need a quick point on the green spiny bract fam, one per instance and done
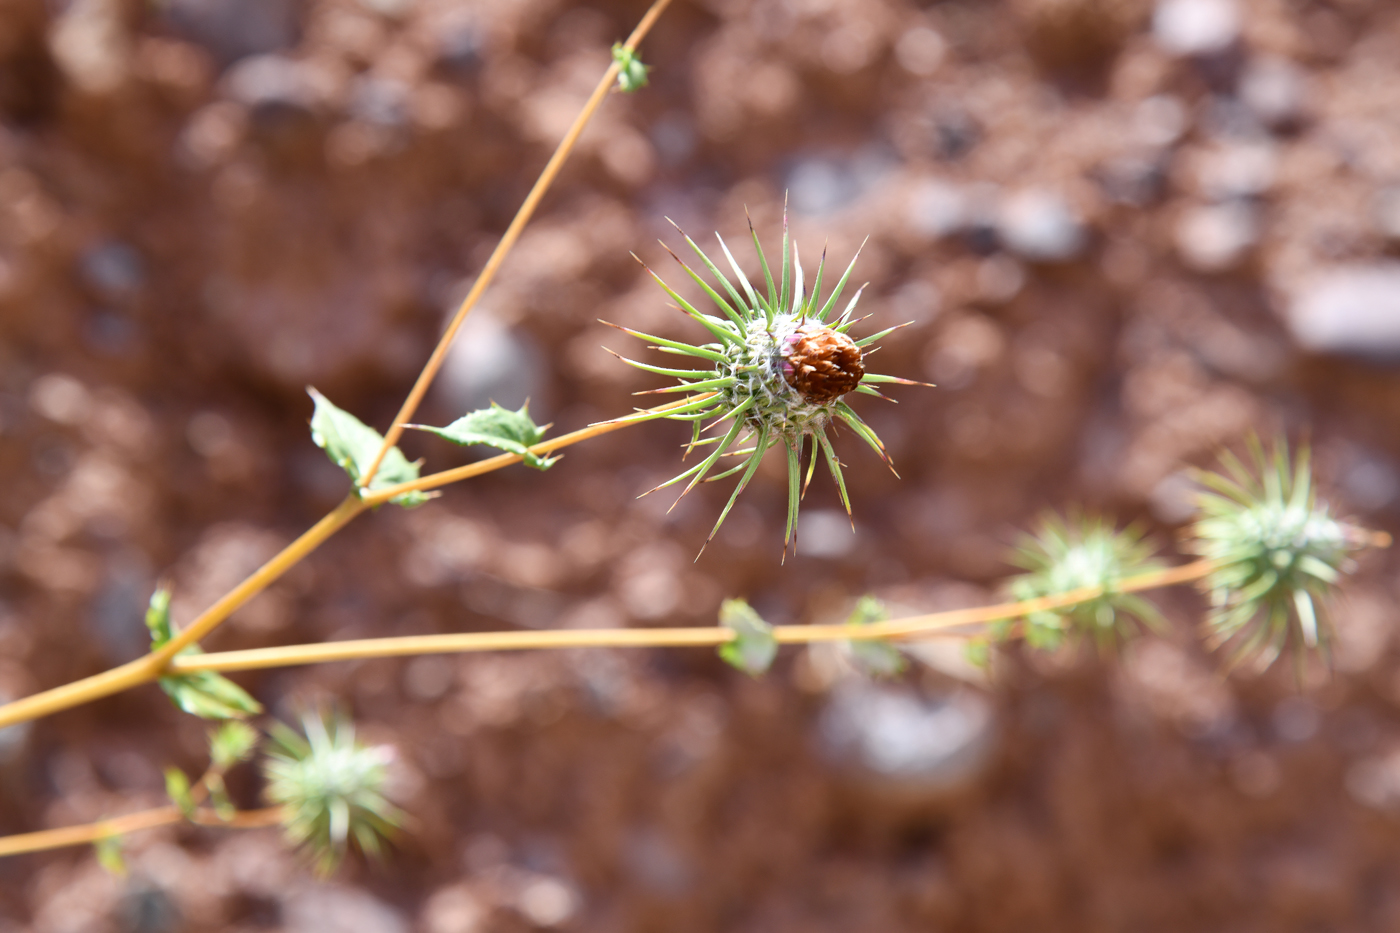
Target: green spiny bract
(330, 788)
(779, 367)
(1277, 551)
(1083, 552)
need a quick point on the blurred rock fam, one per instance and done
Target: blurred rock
(1160, 120)
(113, 269)
(280, 98)
(920, 51)
(1237, 169)
(91, 45)
(379, 101)
(917, 743)
(459, 46)
(955, 132)
(454, 909)
(1135, 180)
(147, 908)
(1275, 89)
(546, 901)
(1217, 237)
(1041, 226)
(824, 533)
(937, 209)
(1352, 310)
(492, 362)
(820, 185)
(1196, 27)
(1385, 211)
(233, 29)
(327, 908)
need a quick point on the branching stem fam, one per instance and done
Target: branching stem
(932, 625)
(498, 256)
(157, 664)
(132, 822)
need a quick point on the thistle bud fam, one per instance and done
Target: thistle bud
(820, 363)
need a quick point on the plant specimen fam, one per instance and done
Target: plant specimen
(779, 368)
(776, 370)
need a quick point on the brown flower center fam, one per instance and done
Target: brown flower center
(820, 363)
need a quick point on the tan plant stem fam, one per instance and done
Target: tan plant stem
(132, 822)
(508, 239)
(152, 666)
(937, 624)
(155, 665)
(434, 480)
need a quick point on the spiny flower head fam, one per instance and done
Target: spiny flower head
(778, 369)
(1078, 553)
(1278, 549)
(331, 789)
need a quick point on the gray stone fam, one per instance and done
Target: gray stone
(492, 362)
(379, 101)
(273, 87)
(1385, 211)
(1237, 169)
(1196, 27)
(1217, 237)
(113, 269)
(1041, 226)
(820, 185)
(233, 29)
(892, 732)
(326, 908)
(1350, 310)
(1275, 89)
(938, 209)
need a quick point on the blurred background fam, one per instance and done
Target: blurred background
(1126, 234)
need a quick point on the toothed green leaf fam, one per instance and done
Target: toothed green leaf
(207, 694)
(218, 797)
(753, 647)
(108, 850)
(177, 788)
(873, 657)
(501, 428)
(352, 445)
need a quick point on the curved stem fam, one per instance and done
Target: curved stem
(936, 624)
(434, 480)
(508, 239)
(152, 666)
(132, 822)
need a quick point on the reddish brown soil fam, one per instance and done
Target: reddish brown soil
(185, 243)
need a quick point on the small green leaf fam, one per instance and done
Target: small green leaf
(871, 656)
(109, 855)
(352, 445)
(206, 694)
(231, 743)
(753, 648)
(177, 787)
(218, 796)
(978, 653)
(158, 617)
(631, 74)
(501, 428)
(209, 694)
